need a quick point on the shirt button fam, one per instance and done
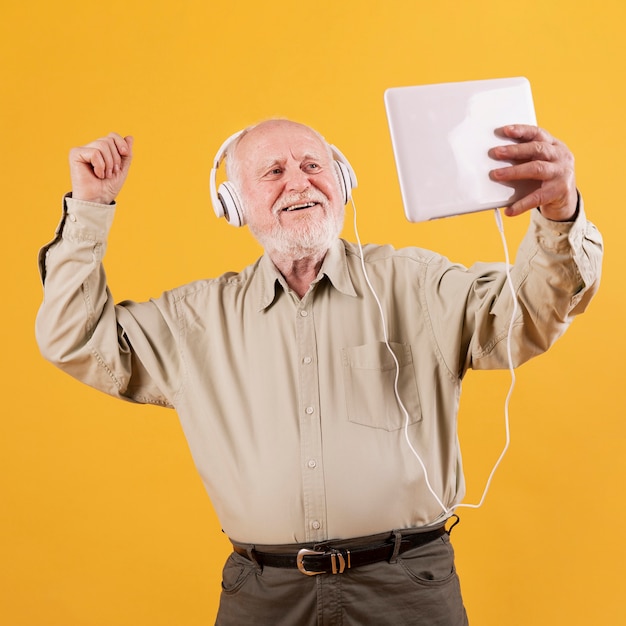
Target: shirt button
(307, 360)
(303, 313)
(309, 410)
(312, 464)
(316, 525)
(72, 217)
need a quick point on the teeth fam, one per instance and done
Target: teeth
(295, 207)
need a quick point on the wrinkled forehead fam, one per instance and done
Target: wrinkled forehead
(280, 139)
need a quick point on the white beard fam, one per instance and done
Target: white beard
(311, 236)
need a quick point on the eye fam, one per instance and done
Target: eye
(312, 166)
(274, 172)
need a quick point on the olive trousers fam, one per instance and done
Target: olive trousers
(420, 587)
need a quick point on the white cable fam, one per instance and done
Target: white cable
(509, 355)
(509, 280)
(397, 376)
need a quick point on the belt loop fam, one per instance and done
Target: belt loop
(252, 557)
(396, 546)
(457, 521)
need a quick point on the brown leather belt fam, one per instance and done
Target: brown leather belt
(324, 559)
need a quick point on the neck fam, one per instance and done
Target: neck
(299, 273)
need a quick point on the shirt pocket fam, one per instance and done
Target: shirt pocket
(369, 375)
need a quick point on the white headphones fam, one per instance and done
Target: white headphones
(226, 201)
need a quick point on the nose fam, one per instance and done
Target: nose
(296, 180)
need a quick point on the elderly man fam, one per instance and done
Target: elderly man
(283, 374)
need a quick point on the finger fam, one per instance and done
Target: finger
(534, 150)
(123, 145)
(518, 208)
(103, 156)
(531, 201)
(128, 155)
(530, 170)
(130, 140)
(90, 156)
(525, 132)
(552, 197)
(113, 150)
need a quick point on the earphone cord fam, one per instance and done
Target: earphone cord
(507, 427)
(448, 510)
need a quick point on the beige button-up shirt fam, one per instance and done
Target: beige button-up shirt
(288, 404)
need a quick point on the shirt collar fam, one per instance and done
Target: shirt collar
(334, 267)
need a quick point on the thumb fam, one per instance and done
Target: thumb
(127, 155)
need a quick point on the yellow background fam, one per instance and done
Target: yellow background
(103, 520)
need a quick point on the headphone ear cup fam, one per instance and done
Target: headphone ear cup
(229, 199)
(345, 181)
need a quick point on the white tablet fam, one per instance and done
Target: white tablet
(441, 135)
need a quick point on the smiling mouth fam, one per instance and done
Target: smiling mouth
(299, 207)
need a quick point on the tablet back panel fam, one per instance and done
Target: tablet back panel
(441, 135)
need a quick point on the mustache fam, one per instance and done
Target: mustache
(290, 199)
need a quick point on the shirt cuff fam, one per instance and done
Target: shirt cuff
(86, 220)
(557, 235)
(81, 221)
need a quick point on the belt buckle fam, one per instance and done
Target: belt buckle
(337, 561)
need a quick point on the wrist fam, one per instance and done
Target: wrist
(91, 199)
(568, 213)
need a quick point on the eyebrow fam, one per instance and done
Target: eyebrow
(272, 162)
(269, 164)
